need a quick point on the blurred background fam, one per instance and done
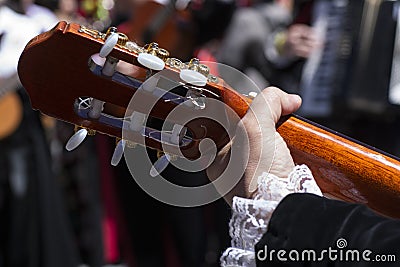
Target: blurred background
(60, 208)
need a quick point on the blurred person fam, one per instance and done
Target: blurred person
(308, 59)
(304, 59)
(78, 172)
(248, 34)
(34, 227)
(42, 16)
(290, 48)
(68, 10)
(163, 235)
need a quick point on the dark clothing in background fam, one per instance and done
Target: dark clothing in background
(163, 231)
(34, 229)
(78, 171)
(309, 222)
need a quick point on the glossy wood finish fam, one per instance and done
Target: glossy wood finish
(345, 169)
(53, 68)
(55, 74)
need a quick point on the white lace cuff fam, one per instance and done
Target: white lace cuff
(250, 217)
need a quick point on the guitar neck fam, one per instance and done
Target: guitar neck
(345, 169)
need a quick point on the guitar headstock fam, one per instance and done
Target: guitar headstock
(103, 82)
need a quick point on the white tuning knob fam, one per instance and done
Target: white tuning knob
(160, 165)
(76, 139)
(193, 77)
(109, 44)
(118, 152)
(151, 61)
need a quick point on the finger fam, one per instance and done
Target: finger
(277, 102)
(306, 47)
(304, 51)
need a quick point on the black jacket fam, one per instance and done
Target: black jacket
(340, 234)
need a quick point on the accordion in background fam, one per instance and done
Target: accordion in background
(375, 78)
(358, 69)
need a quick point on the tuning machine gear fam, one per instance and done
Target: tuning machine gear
(111, 39)
(196, 73)
(153, 57)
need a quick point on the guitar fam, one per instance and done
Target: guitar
(73, 74)
(10, 106)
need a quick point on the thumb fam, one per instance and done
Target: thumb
(273, 103)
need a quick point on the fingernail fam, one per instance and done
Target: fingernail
(295, 98)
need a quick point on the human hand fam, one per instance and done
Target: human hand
(301, 41)
(257, 146)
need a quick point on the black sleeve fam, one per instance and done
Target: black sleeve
(314, 231)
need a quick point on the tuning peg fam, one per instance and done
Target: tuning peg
(151, 62)
(193, 77)
(160, 165)
(111, 63)
(153, 58)
(109, 44)
(118, 152)
(112, 38)
(76, 139)
(196, 73)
